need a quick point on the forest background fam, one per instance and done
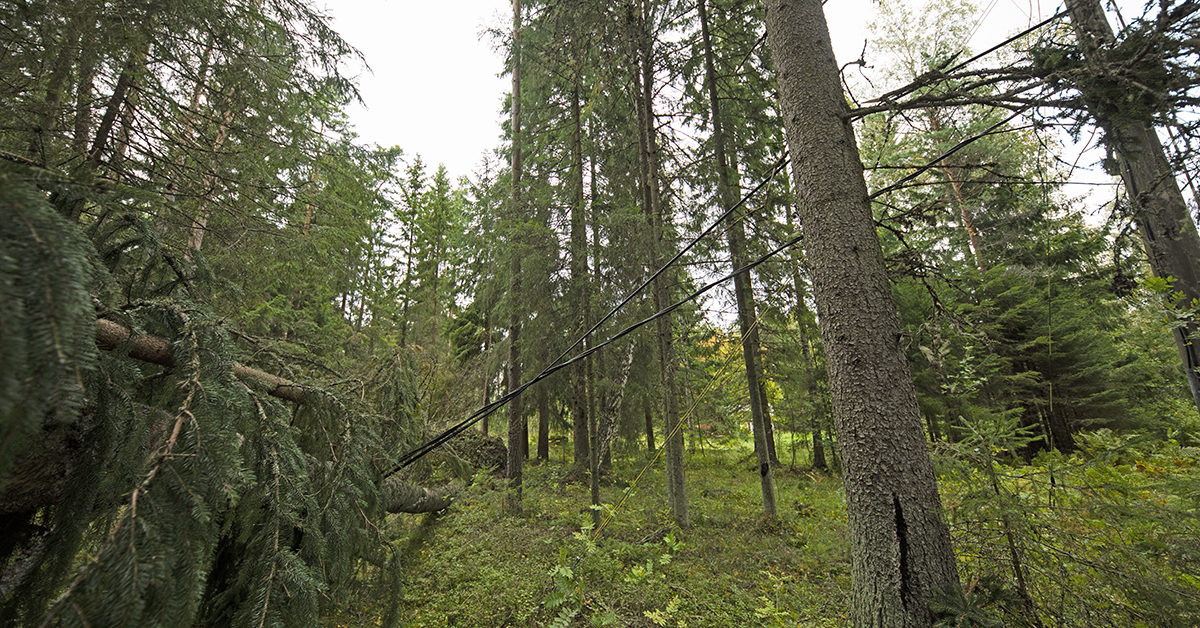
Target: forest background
(231, 328)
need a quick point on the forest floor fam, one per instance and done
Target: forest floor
(1106, 537)
(474, 565)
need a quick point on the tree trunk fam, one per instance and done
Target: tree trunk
(900, 549)
(83, 94)
(113, 337)
(1167, 231)
(768, 424)
(610, 419)
(816, 400)
(516, 431)
(579, 278)
(401, 496)
(742, 288)
(818, 445)
(974, 245)
(650, 448)
(488, 373)
(657, 218)
(543, 440)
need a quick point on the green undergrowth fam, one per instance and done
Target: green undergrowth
(475, 565)
(1108, 536)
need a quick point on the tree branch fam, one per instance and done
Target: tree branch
(113, 337)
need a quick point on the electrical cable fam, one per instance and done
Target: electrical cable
(957, 147)
(712, 383)
(487, 410)
(924, 79)
(557, 365)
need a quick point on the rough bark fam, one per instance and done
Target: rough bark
(113, 337)
(400, 496)
(1160, 211)
(610, 419)
(901, 555)
(742, 287)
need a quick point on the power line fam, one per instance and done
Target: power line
(558, 364)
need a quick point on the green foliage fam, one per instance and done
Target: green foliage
(1086, 540)
(46, 320)
(484, 568)
(171, 493)
(970, 609)
(200, 499)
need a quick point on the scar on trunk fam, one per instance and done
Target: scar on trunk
(902, 539)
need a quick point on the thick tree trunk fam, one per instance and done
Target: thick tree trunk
(113, 337)
(610, 418)
(1161, 213)
(401, 496)
(742, 288)
(901, 555)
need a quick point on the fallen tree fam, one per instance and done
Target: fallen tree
(157, 465)
(147, 348)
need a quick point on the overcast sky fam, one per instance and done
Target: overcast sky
(435, 88)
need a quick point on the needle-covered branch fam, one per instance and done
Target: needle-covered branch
(147, 348)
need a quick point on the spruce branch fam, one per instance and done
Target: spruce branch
(147, 348)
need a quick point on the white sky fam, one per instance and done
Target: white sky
(435, 88)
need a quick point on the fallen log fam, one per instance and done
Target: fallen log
(400, 496)
(36, 481)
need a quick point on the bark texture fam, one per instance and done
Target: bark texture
(901, 554)
(113, 337)
(610, 419)
(400, 496)
(1160, 211)
(579, 278)
(657, 218)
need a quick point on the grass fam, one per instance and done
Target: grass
(1105, 537)
(476, 566)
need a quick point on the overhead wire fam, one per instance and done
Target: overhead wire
(487, 410)
(712, 383)
(558, 364)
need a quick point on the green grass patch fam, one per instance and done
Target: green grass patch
(476, 566)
